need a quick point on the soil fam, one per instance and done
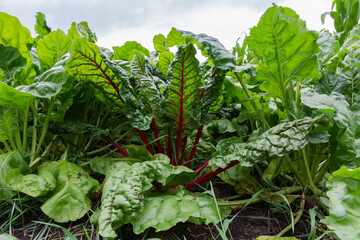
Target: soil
(253, 221)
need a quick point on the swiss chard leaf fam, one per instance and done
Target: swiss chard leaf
(13, 34)
(125, 185)
(167, 209)
(41, 28)
(277, 141)
(8, 123)
(128, 51)
(10, 61)
(343, 193)
(8, 162)
(87, 64)
(52, 48)
(66, 185)
(82, 30)
(288, 51)
(345, 141)
(47, 84)
(183, 86)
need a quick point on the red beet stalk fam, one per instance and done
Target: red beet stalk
(193, 150)
(143, 138)
(117, 146)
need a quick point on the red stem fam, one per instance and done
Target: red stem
(202, 94)
(156, 133)
(210, 175)
(143, 138)
(193, 150)
(169, 144)
(183, 151)
(117, 146)
(202, 167)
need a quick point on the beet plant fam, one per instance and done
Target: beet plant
(284, 103)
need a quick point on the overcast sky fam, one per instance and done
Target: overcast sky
(118, 21)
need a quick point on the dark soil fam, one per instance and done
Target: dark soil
(253, 221)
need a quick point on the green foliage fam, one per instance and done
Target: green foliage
(345, 140)
(287, 49)
(277, 141)
(8, 162)
(64, 185)
(343, 193)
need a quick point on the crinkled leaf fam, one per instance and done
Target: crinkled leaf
(183, 86)
(47, 84)
(8, 123)
(9, 161)
(82, 30)
(69, 200)
(10, 61)
(212, 97)
(349, 69)
(134, 92)
(328, 45)
(128, 51)
(13, 34)
(124, 188)
(345, 150)
(277, 141)
(211, 47)
(344, 198)
(52, 48)
(87, 64)
(288, 50)
(167, 209)
(41, 28)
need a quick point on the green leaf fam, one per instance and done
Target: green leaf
(345, 150)
(69, 200)
(183, 93)
(52, 48)
(9, 161)
(128, 51)
(87, 64)
(160, 43)
(328, 45)
(288, 51)
(211, 47)
(47, 84)
(10, 61)
(6, 236)
(344, 218)
(13, 34)
(81, 30)
(136, 91)
(125, 185)
(277, 141)
(349, 69)
(167, 209)
(31, 184)
(10, 97)
(165, 58)
(8, 123)
(41, 28)
(212, 97)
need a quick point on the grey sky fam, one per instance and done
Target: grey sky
(115, 22)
